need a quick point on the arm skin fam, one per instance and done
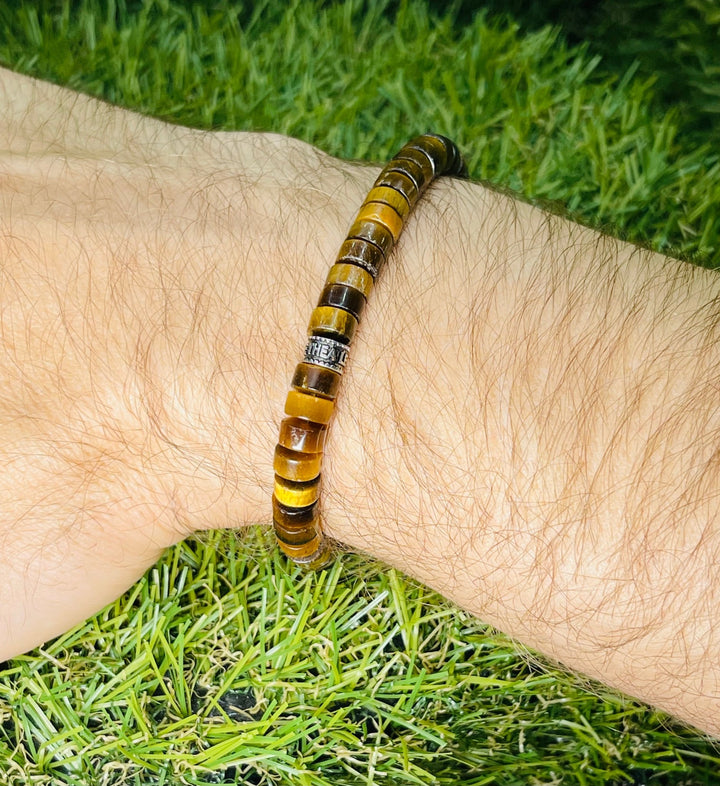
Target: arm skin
(528, 423)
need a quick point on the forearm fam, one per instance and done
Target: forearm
(548, 453)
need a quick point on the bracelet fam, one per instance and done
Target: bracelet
(311, 400)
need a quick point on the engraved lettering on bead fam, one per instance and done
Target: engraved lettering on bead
(328, 352)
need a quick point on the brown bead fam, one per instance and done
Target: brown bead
(436, 148)
(422, 159)
(302, 435)
(312, 555)
(292, 465)
(383, 214)
(412, 171)
(456, 163)
(392, 197)
(375, 232)
(343, 296)
(318, 380)
(392, 178)
(296, 495)
(295, 519)
(351, 275)
(334, 322)
(299, 404)
(364, 253)
(298, 531)
(298, 538)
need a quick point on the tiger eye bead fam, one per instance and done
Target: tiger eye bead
(364, 253)
(413, 171)
(345, 297)
(375, 232)
(391, 197)
(294, 494)
(296, 535)
(435, 148)
(299, 404)
(317, 380)
(298, 538)
(298, 530)
(421, 159)
(302, 435)
(292, 465)
(310, 554)
(295, 519)
(334, 322)
(351, 275)
(456, 163)
(383, 214)
(400, 182)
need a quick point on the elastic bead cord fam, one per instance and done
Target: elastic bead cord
(315, 383)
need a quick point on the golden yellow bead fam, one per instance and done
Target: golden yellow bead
(382, 214)
(296, 495)
(392, 197)
(333, 321)
(310, 554)
(351, 275)
(299, 404)
(293, 465)
(301, 435)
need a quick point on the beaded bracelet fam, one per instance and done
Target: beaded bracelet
(311, 400)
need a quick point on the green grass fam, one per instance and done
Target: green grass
(222, 665)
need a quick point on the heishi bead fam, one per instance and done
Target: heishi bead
(343, 296)
(310, 553)
(318, 380)
(292, 465)
(301, 545)
(412, 170)
(299, 404)
(436, 148)
(392, 197)
(295, 519)
(375, 232)
(297, 537)
(298, 530)
(383, 214)
(392, 178)
(334, 322)
(352, 276)
(419, 157)
(455, 164)
(364, 253)
(294, 494)
(302, 435)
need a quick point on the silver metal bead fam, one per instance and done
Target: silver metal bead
(327, 352)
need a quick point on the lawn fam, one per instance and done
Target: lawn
(226, 665)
